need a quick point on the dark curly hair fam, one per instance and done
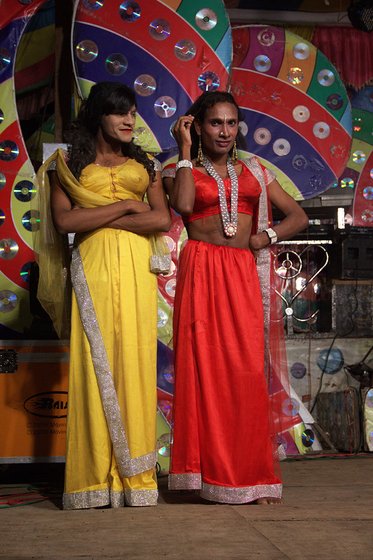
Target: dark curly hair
(204, 102)
(105, 98)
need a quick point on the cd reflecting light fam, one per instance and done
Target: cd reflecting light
(145, 85)
(301, 51)
(2, 217)
(281, 147)
(8, 301)
(325, 77)
(208, 81)
(301, 113)
(25, 272)
(1, 116)
(262, 63)
(159, 29)
(206, 19)
(86, 50)
(308, 437)
(347, 183)
(368, 193)
(162, 318)
(262, 136)
(8, 150)
(24, 191)
(116, 64)
(93, 4)
(2, 181)
(165, 107)
(321, 130)
(129, 11)
(5, 59)
(31, 220)
(359, 157)
(163, 445)
(8, 249)
(185, 50)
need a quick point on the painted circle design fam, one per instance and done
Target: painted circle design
(367, 216)
(266, 37)
(334, 101)
(290, 407)
(295, 75)
(299, 162)
(330, 361)
(298, 370)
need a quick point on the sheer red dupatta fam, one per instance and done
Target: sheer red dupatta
(282, 418)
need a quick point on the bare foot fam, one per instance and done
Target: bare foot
(268, 501)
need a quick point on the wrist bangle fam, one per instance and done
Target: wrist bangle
(184, 163)
(272, 235)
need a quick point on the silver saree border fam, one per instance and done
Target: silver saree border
(127, 466)
(185, 481)
(229, 495)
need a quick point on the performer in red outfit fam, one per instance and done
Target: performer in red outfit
(222, 433)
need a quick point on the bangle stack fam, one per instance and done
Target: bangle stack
(184, 163)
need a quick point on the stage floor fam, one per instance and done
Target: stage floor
(327, 514)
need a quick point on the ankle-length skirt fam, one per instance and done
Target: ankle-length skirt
(111, 428)
(222, 443)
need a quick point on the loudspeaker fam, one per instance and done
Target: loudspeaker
(360, 14)
(356, 255)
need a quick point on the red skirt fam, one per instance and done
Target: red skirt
(221, 428)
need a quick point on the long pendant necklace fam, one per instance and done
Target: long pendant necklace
(230, 220)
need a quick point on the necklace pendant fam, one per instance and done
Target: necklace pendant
(230, 230)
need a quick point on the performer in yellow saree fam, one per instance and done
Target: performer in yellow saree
(110, 454)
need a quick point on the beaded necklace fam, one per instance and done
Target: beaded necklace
(230, 220)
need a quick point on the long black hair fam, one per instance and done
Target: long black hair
(204, 102)
(105, 98)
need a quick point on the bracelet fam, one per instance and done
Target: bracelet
(184, 163)
(272, 235)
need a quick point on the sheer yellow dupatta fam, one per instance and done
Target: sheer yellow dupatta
(52, 255)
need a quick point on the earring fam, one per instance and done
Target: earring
(199, 160)
(234, 157)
